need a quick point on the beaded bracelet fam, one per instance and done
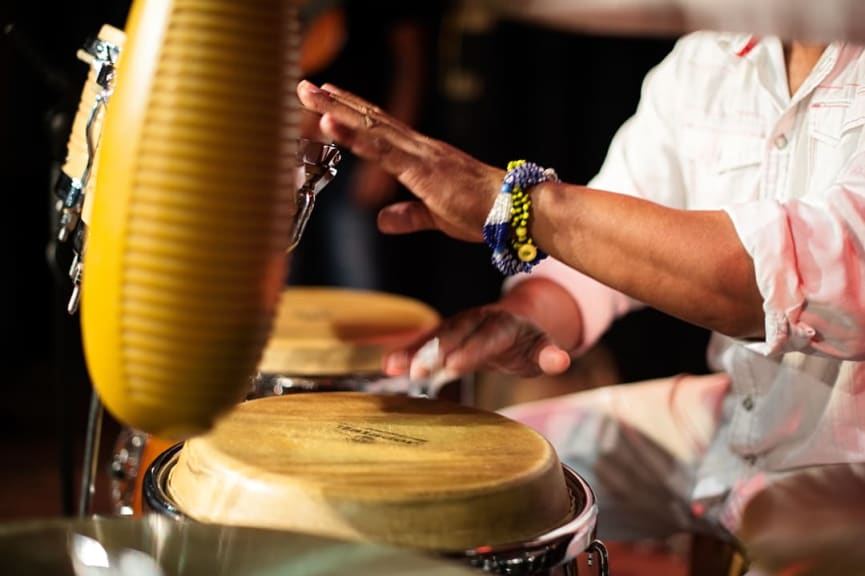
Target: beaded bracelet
(506, 230)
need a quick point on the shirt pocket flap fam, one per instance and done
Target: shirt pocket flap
(722, 145)
(834, 114)
(739, 151)
(855, 116)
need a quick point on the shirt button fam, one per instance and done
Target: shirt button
(781, 142)
(748, 403)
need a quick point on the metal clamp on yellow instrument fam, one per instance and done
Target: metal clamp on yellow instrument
(74, 184)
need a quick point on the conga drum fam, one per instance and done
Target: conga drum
(323, 340)
(328, 339)
(424, 474)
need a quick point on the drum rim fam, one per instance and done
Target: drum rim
(155, 478)
(555, 547)
(312, 380)
(558, 546)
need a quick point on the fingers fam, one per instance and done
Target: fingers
(377, 143)
(484, 338)
(309, 125)
(374, 113)
(350, 110)
(362, 128)
(405, 218)
(450, 334)
(511, 345)
(398, 362)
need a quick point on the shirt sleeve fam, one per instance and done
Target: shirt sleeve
(643, 158)
(809, 259)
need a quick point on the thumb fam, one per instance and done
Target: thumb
(552, 360)
(405, 217)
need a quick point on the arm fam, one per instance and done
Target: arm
(806, 256)
(672, 259)
(710, 267)
(645, 241)
(689, 264)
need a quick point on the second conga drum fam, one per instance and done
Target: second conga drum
(412, 472)
(334, 338)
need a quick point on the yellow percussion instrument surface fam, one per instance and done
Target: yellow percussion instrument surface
(334, 331)
(195, 201)
(399, 470)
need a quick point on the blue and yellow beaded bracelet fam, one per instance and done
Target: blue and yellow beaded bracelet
(506, 230)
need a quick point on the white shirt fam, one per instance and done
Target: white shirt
(716, 128)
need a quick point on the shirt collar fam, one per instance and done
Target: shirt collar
(739, 45)
(742, 45)
(750, 46)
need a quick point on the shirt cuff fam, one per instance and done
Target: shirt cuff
(764, 229)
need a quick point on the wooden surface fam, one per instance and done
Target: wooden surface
(408, 471)
(333, 331)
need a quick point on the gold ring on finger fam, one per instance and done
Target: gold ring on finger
(368, 120)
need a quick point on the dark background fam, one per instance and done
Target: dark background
(540, 98)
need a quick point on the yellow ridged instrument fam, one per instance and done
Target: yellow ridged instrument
(193, 209)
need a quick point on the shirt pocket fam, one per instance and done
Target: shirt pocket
(722, 159)
(740, 151)
(836, 118)
(836, 115)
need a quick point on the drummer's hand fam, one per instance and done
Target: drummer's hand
(456, 191)
(487, 338)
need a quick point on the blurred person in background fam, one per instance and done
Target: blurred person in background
(381, 51)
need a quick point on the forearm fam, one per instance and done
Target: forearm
(689, 264)
(550, 307)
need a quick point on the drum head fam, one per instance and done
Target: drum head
(334, 331)
(160, 546)
(408, 471)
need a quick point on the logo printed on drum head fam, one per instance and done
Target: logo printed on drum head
(367, 435)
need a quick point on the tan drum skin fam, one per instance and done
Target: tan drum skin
(414, 472)
(322, 331)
